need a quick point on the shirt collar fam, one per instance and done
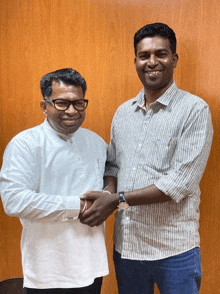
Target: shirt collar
(167, 97)
(164, 99)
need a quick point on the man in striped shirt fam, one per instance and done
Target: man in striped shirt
(160, 143)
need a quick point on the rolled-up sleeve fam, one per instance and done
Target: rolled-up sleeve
(190, 158)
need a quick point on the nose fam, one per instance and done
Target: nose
(71, 110)
(152, 61)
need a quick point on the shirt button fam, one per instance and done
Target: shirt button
(133, 168)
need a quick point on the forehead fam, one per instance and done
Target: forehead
(60, 88)
(153, 44)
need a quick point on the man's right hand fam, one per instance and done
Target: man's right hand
(102, 206)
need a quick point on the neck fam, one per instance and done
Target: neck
(61, 134)
(151, 95)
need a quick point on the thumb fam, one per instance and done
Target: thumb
(86, 196)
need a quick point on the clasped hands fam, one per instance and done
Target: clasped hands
(99, 205)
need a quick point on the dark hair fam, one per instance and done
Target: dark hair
(156, 29)
(66, 75)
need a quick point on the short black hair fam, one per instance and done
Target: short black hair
(66, 75)
(156, 29)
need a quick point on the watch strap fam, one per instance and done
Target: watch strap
(123, 205)
(121, 196)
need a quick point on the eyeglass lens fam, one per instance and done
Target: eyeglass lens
(61, 104)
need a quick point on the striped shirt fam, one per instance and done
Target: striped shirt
(167, 145)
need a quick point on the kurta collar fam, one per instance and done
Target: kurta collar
(60, 135)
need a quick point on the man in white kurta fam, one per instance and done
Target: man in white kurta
(45, 170)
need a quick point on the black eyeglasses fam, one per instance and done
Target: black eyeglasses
(63, 104)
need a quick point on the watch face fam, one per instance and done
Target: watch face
(123, 205)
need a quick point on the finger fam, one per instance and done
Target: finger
(89, 191)
(95, 224)
(89, 203)
(92, 222)
(84, 207)
(88, 196)
(84, 197)
(86, 214)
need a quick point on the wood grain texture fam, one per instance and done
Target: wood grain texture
(95, 37)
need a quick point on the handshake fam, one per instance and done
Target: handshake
(96, 206)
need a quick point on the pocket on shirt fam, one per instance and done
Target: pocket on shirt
(161, 153)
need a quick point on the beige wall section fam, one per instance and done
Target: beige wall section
(96, 38)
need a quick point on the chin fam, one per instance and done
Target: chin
(71, 131)
(156, 86)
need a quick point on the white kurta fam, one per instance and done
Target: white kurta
(42, 176)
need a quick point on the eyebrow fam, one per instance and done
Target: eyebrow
(159, 50)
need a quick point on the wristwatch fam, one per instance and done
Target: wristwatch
(123, 205)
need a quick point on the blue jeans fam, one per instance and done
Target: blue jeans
(180, 274)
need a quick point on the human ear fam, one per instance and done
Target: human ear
(175, 59)
(43, 107)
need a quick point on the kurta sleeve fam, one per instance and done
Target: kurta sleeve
(18, 188)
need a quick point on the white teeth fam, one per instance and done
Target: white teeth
(153, 72)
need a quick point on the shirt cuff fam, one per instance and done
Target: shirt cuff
(173, 187)
(112, 172)
(72, 207)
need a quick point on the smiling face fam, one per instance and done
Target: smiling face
(68, 121)
(155, 63)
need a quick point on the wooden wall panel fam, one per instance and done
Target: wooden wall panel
(96, 38)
